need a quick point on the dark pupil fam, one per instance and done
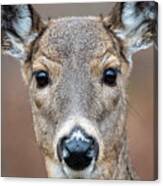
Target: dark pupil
(42, 78)
(109, 76)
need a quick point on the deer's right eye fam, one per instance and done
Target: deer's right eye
(42, 78)
(110, 76)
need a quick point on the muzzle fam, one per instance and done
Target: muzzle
(78, 149)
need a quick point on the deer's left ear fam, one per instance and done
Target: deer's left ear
(135, 23)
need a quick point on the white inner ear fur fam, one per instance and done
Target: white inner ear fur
(23, 22)
(23, 27)
(129, 17)
(131, 21)
(18, 49)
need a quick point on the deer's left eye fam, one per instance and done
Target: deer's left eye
(42, 78)
(110, 76)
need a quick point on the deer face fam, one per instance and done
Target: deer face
(77, 71)
(78, 91)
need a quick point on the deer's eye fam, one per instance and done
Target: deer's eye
(110, 76)
(42, 78)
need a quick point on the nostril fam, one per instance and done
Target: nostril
(60, 147)
(77, 156)
(94, 148)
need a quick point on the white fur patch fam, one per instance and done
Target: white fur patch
(134, 28)
(23, 23)
(129, 17)
(18, 50)
(78, 136)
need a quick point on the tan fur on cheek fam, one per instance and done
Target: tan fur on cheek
(26, 70)
(95, 68)
(40, 96)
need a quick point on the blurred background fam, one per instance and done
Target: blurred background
(21, 156)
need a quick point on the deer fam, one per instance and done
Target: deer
(77, 70)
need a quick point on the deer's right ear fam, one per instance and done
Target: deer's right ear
(20, 26)
(135, 24)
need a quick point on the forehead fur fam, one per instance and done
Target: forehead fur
(80, 37)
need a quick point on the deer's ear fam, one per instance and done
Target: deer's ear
(20, 26)
(135, 23)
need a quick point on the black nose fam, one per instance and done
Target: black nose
(78, 152)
